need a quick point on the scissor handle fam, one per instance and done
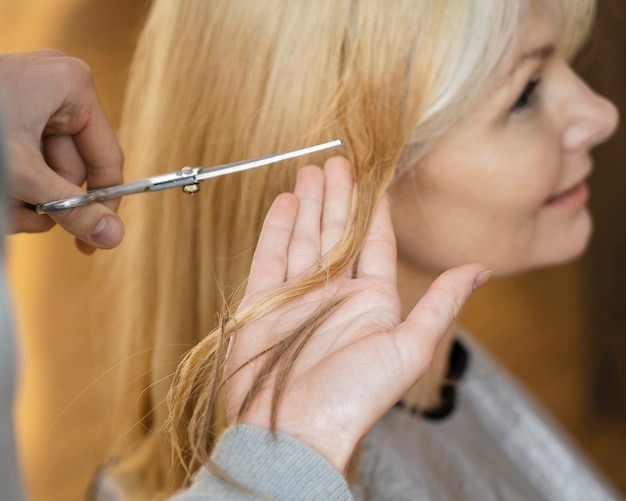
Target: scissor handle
(96, 195)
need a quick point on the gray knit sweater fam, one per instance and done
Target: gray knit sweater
(498, 444)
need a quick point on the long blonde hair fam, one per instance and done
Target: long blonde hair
(218, 81)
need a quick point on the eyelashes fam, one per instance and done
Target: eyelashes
(527, 98)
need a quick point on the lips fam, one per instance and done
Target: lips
(577, 195)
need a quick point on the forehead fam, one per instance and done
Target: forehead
(539, 38)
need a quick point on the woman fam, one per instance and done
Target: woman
(466, 114)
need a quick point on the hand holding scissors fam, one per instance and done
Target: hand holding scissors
(57, 137)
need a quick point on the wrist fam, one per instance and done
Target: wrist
(336, 448)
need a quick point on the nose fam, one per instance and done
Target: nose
(593, 120)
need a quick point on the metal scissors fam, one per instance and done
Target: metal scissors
(188, 178)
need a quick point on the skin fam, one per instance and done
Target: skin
(365, 344)
(488, 191)
(58, 137)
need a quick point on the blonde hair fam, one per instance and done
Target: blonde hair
(214, 82)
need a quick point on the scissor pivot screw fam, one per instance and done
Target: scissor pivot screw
(191, 188)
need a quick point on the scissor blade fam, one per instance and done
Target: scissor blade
(186, 176)
(231, 168)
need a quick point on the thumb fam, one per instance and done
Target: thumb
(419, 335)
(95, 225)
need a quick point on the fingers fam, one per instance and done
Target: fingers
(269, 264)
(337, 201)
(81, 117)
(378, 257)
(304, 251)
(63, 157)
(26, 220)
(95, 142)
(267, 273)
(296, 225)
(35, 182)
(52, 98)
(418, 336)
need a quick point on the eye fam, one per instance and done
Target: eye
(526, 98)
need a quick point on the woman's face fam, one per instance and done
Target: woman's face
(506, 186)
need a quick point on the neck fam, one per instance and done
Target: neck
(413, 282)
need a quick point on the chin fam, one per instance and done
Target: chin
(557, 246)
(566, 258)
(570, 245)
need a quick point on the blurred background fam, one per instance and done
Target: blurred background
(561, 331)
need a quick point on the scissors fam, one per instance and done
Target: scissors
(188, 178)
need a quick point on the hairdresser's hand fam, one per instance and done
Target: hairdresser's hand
(58, 137)
(362, 359)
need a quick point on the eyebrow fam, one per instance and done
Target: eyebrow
(538, 53)
(543, 52)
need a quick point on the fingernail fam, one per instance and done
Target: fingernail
(482, 278)
(108, 232)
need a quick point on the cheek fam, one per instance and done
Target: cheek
(487, 211)
(524, 169)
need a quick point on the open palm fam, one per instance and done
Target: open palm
(361, 356)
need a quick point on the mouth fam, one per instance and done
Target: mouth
(576, 196)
